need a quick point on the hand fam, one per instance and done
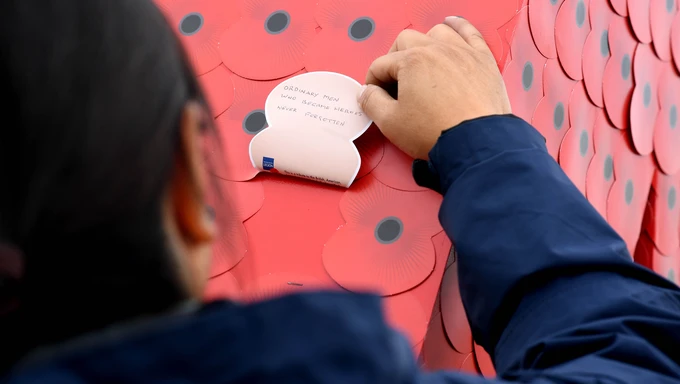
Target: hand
(442, 78)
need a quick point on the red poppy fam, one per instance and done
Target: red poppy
(667, 266)
(644, 105)
(222, 287)
(218, 88)
(233, 203)
(662, 221)
(273, 285)
(577, 149)
(387, 241)
(542, 15)
(470, 365)
(199, 25)
(437, 353)
(620, 7)
(484, 362)
(551, 116)
(394, 170)
(638, 10)
(238, 125)
(406, 314)
(627, 200)
(270, 39)
(617, 87)
(667, 129)
(456, 325)
(662, 13)
(572, 27)
(524, 73)
(353, 34)
(675, 41)
(488, 16)
(600, 175)
(371, 146)
(596, 49)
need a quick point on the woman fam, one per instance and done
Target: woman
(105, 231)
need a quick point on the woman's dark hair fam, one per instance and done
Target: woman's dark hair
(89, 129)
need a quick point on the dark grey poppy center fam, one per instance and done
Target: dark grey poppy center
(630, 192)
(670, 6)
(583, 143)
(672, 196)
(608, 168)
(361, 29)
(389, 230)
(254, 122)
(671, 275)
(673, 117)
(558, 116)
(527, 76)
(625, 67)
(580, 13)
(277, 22)
(191, 23)
(604, 43)
(553, 2)
(647, 95)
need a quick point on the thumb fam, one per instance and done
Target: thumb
(377, 104)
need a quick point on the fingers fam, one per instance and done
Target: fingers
(468, 32)
(445, 34)
(385, 69)
(409, 38)
(378, 105)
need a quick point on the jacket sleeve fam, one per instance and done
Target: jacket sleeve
(549, 288)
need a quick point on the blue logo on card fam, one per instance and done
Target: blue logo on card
(267, 163)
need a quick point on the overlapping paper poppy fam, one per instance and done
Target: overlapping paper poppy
(644, 105)
(577, 149)
(596, 49)
(386, 244)
(628, 197)
(662, 13)
(667, 128)
(667, 266)
(487, 15)
(551, 116)
(405, 313)
(662, 221)
(620, 7)
(270, 39)
(199, 25)
(617, 87)
(222, 287)
(484, 362)
(395, 170)
(600, 175)
(638, 13)
(453, 314)
(542, 16)
(273, 285)
(524, 73)
(371, 147)
(233, 203)
(437, 352)
(675, 41)
(353, 34)
(218, 88)
(572, 27)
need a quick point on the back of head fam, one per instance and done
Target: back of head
(93, 91)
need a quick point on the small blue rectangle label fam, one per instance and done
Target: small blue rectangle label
(267, 163)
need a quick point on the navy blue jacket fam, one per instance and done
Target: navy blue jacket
(549, 288)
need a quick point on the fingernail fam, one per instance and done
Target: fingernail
(451, 18)
(361, 91)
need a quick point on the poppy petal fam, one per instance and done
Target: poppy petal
(353, 34)
(273, 285)
(395, 170)
(596, 51)
(542, 15)
(644, 103)
(405, 313)
(551, 116)
(386, 243)
(667, 266)
(437, 353)
(638, 10)
(667, 131)
(222, 287)
(456, 325)
(484, 362)
(617, 87)
(524, 73)
(371, 146)
(620, 7)
(662, 13)
(270, 39)
(577, 149)
(600, 175)
(572, 27)
(218, 88)
(199, 25)
(675, 41)
(663, 221)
